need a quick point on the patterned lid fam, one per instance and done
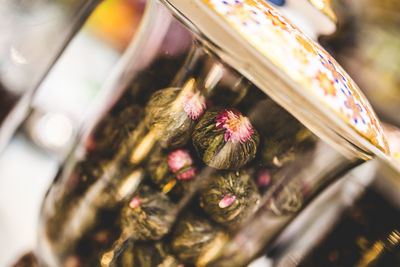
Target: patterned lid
(257, 40)
(325, 7)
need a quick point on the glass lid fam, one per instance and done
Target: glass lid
(291, 68)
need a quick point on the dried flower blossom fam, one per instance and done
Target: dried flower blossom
(237, 127)
(172, 172)
(179, 159)
(225, 139)
(194, 104)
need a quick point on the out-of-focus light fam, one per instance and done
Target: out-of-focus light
(54, 130)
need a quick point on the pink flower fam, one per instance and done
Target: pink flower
(194, 104)
(187, 175)
(135, 202)
(264, 178)
(179, 159)
(238, 127)
(226, 201)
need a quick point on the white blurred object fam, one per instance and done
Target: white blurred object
(32, 35)
(54, 130)
(77, 77)
(63, 99)
(310, 19)
(59, 108)
(25, 175)
(261, 262)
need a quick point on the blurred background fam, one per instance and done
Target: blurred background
(366, 44)
(59, 106)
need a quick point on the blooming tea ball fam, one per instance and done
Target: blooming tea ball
(230, 197)
(196, 240)
(113, 130)
(148, 216)
(279, 152)
(225, 139)
(141, 254)
(173, 112)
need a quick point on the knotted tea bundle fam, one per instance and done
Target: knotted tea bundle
(195, 240)
(277, 152)
(173, 112)
(143, 255)
(113, 130)
(283, 136)
(288, 199)
(173, 171)
(229, 197)
(86, 173)
(225, 139)
(148, 216)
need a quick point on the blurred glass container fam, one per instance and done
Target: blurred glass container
(33, 34)
(355, 224)
(367, 44)
(63, 98)
(220, 123)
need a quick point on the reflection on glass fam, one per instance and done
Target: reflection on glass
(32, 35)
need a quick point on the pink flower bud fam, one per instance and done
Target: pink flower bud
(264, 178)
(226, 201)
(179, 159)
(187, 175)
(135, 202)
(194, 104)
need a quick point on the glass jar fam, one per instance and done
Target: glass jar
(221, 122)
(33, 35)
